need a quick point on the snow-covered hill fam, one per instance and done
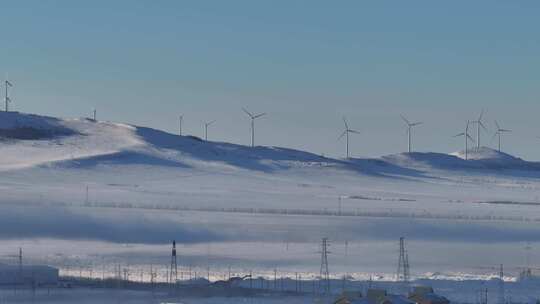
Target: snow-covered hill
(96, 183)
(31, 140)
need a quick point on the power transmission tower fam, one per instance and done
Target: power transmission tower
(173, 273)
(501, 296)
(20, 265)
(324, 275)
(403, 272)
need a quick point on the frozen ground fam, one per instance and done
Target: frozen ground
(254, 209)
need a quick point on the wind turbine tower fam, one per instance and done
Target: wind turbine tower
(180, 121)
(253, 117)
(499, 132)
(7, 99)
(346, 134)
(206, 125)
(467, 138)
(409, 129)
(479, 125)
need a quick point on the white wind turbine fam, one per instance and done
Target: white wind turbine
(180, 121)
(346, 134)
(206, 125)
(253, 117)
(479, 124)
(7, 99)
(499, 132)
(409, 129)
(467, 138)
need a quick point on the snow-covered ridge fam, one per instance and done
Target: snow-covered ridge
(31, 140)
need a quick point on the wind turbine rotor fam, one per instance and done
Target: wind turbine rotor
(248, 113)
(405, 120)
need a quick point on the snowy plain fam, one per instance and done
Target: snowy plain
(87, 195)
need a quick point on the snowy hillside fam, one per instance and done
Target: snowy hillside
(30, 140)
(90, 187)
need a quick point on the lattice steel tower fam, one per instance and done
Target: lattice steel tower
(324, 283)
(501, 296)
(403, 272)
(173, 273)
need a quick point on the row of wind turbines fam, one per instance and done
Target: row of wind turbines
(207, 124)
(410, 125)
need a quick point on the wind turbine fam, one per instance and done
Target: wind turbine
(499, 132)
(478, 125)
(467, 137)
(346, 133)
(253, 117)
(206, 124)
(7, 99)
(409, 128)
(181, 119)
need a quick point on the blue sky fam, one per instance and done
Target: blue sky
(306, 63)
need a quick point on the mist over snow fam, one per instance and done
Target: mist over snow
(147, 187)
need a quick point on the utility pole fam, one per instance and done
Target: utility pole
(324, 282)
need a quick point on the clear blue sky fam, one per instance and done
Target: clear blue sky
(306, 63)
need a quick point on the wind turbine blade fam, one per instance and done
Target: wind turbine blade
(481, 114)
(346, 124)
(458, 135)
(497, 124)
(354, 131)
(8, 83)
(259, 115)
(209, 123)
(482, 125)
(405, 119)
(416, 124)
(504, 130)
(248, 113)
(342, 134)
(469, 137)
